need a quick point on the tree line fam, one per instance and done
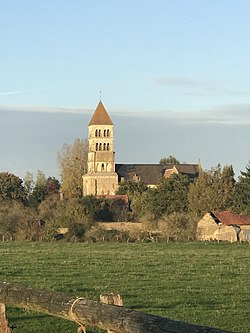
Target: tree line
(31, 209)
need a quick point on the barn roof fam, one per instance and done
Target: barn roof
(230, 218)
(100, 116)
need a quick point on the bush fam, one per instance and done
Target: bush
(102, 235)
(178, 227)
(17, 222)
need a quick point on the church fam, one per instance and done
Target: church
(104, 175)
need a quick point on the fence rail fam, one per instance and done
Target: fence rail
(92, 313)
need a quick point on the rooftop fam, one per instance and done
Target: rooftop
(100, 116)
(230, 218)
(152, 173)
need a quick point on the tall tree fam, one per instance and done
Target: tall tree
(11, 187)
(169, 160)
(52, 186)
(242, 192)
(39, 191)
(170, 196)
(72, 161)
(212, 190)
(131, 187)
(43, 188)
(28, 182)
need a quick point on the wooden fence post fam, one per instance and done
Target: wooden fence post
(91, 313)
(112, 299)
(4, 326)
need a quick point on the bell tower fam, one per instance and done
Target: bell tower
(101, 178)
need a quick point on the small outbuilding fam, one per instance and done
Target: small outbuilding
(224, 226)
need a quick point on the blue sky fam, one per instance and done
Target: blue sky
(178, 71)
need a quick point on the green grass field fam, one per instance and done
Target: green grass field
(207, 284)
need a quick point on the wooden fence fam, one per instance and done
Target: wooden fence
(92, 313)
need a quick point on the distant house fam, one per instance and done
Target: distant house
(224, 226)
(150, 174)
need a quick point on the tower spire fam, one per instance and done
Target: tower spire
(101, 178)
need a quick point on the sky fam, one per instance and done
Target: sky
(174, 76)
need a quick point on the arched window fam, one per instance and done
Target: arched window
(102, 166)
(99, 132)
(96, 132)
(96, 146)
(104, 146)
(104, 133)
(108, 132)
(100, 146)
(107, 146)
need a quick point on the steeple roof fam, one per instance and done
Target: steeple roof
(100, 116)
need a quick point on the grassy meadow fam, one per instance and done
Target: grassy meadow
(203, 283)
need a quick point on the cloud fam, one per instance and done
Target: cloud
(25, 64)
(18, 92)
(177, 81)
(13, 92)
(227, 114)
(45, 109)
(196, 87)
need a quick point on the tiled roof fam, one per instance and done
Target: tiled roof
(230, 218)
(190, 170)
(150, 174)
(100, 116)
(187, 168)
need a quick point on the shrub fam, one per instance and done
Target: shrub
(178, 226)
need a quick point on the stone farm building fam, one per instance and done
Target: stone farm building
(224, 226)
(103, 175)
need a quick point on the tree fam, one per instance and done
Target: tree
(16, 221)
(81, 215)
(72, 161)
(131, 187)
(225, 187)
(135, 190)
(44, 187)
(242, 192)
(28, 182)
(170, 196)
(169, 160)
(212, 190)
(52, 186)
(140, 202)
(11, 187)
(39, 191)
(178, 226)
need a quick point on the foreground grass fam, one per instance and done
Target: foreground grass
(201, 283)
